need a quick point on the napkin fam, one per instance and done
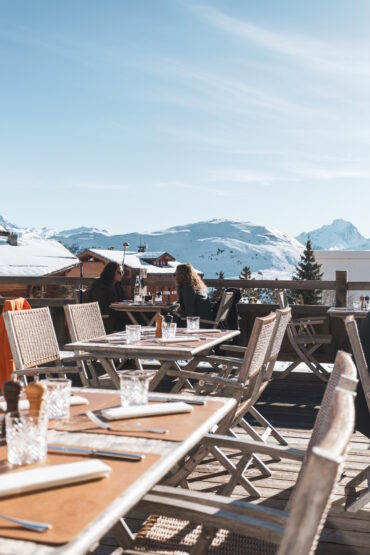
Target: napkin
(24, 404)
(13, 483)
(212, 330)
(178, 339)
(118, 413)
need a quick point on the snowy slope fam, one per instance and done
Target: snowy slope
(339, 235)
(211, 246)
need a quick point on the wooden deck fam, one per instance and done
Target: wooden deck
(291, 405)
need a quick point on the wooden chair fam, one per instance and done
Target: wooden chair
(227, 526)
(85, 322)
(224, 307)
(243, 386)
(305, 341)
(34, 344)
(360, 499)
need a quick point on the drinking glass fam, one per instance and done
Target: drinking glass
(58, 397)
(26, 436)
(356, 305)
(134, 385)
(172, 329)
(192, 323)
(133, 334)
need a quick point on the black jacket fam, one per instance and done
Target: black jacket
(195, 304)
(105, 295)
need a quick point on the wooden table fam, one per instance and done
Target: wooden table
(107, 348)
(168, 454)
(336, 312)
(147, 311)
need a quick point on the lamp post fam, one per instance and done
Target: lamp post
(125, 246)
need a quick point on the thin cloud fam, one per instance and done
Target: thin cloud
(319, 55)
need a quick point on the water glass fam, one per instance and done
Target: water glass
(58, 397)
(356, 305)
(133, 334)
(192, 323)
(134, 386)
(26, 436)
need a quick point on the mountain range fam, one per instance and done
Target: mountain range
(216, 245)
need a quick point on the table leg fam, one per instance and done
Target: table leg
(152, 320)
(109, 367)
(160, 374)
(132, 318)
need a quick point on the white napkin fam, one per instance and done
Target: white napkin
(24, 404)
(204, 331)
(119, 413)
(44, 477)
(178, 339)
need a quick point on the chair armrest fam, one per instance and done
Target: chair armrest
(250, 446)
(47, 370)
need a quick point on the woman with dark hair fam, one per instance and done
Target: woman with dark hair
(192, 293)
(106, 290)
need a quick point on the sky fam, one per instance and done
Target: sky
(141, 115)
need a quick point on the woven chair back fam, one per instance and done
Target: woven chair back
(84, 321)
(283, 317)
(32, 337)
(224, 307)
(358, 353)
(322, 467)
(258, 344)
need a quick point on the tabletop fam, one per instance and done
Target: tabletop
(115, 345)
(143, 307)
(343, 312)
(161, 456)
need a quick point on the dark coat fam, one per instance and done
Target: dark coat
(106, 294)
(362, 412)
(195, 304)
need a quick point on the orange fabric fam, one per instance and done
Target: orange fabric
(6, 359)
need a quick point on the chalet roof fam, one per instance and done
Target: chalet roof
(134, 260)
(3, 230)
(153, 255)
(34, 257)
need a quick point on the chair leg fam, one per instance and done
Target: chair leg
(266, 424)
(236, 474)
(361, 499)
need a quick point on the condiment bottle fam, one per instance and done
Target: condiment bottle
(362, 299)
(158, 325)
(12, 391)
(35, 393)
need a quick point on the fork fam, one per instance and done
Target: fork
(137, 428)
(28, 524)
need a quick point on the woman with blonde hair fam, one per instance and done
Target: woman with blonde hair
(192, 293)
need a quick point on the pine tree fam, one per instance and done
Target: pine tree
(253, 295)
(308, 269)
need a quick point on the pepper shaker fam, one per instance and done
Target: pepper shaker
(35, 393)
(12, 391)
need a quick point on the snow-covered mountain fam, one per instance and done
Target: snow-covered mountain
(339, 235)
(211, 246)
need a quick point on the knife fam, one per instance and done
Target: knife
(178, 399)
(95, 453)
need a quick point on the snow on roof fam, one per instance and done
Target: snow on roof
(151, 255)
(34, 257)
(3, 229)
(133, 260)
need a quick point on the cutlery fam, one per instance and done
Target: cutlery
(134, 428)
(28, 524)
(177, 399)
(95, 452)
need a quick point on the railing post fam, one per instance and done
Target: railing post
(341, 288)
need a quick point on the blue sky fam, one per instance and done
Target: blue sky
(140, 115)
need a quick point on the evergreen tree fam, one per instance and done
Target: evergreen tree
(253, 295)
(308, 269)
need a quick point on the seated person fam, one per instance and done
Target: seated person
(106, 290)
(192, 293)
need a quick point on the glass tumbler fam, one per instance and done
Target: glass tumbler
(192, 323)
(58, 397)
(134, 386)
(133, 334)
(26, 436)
